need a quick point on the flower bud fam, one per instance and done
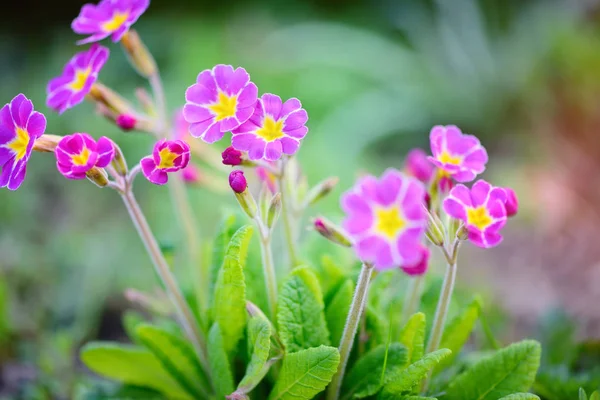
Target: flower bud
(231, 156)
(114, 102)
(512, 202)
(237, 181)
(191, 174)
(332, 232)
(126, 122)
(274, 210)
(419, 166)
(435, 230)
(97, 176)
(139, 56)
(420, 267)
(118, 162)
(46, 143)
(321, 190)
(445, 184)
(462, 233)
(239, 185)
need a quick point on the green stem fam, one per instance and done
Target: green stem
(413, 297)
(269, 273)
(354, 315)
(286, 211)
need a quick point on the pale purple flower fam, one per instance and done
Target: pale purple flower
(457, 155)
(78, 153)
(78, 76)
(418, 165)
(221, 100)
(481, 209)
(20, 126)
(108, 18)
(274, 128)
(386, 219)
(167, 156)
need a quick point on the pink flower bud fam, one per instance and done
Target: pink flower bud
(512, 202)
(420, 267)
(126, 122)
(237, 181)
(332, 232)
(232, 156)
(419, 166)
(191, 174)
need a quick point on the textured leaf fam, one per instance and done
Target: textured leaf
(176, 356)
(412, 337)
(520, 396)
(376, 328)
(259, 341)
(229, 225)
(306, 373)
(405, 381)
(221, 374)
(230, 291)
(300, 313)
(331, 276)
(337, 311)
(131, 319)
(131, 365)
(510, 370)
(364, 379)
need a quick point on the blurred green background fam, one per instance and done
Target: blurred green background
(374, 76)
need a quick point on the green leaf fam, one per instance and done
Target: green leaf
(405, 381)
(229, 225)
(412, 337)
(221, 374)
(582, 394)
(510, 370)
(520, 396)
(230, 291)
(306, 373)
(337, 311)
(331, 276)
(131, 365)
(259, 341)
(595, 396)
(177, 356)
(300, 313)
(364, 379)
(131, 319)
(418, 398)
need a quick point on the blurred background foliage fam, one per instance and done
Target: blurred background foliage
(374, 76)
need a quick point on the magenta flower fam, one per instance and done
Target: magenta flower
(221, 100)
(512, 202)
(78, 76)
(482, 210)
(237, 181)
(457, 155)
(20, 126)
(267, 177)
(418, 165)
(181, 126)
(231, 156)
(386, 219)
(167, 156)
(273, 129)
(109, 17)
(420, 267)
(78, 153)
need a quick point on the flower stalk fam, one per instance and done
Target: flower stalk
(286, 211)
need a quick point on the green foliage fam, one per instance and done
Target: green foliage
(337, 310)
(305, 373)
(520, 396)
(259, 342)
(227, 228)
(559, 383)
(512, 369)
(331, 276)
(221, 374)
(412, 337)
(595, 396)
(300, 315)
(131, 319)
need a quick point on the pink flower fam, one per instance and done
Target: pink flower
(273, 129)
(237, 181)
(512, 202)
(191, 174)
(167, 156)
(221, 100)
(420, 267)
(482, 210)
(231, 156)
(126, 122)
(418, 165)
(460, 156)
(386, 219)
(109, 17)
(78, 76)
(78, 153)
(20, 126)
(181, 126)
(267, 177)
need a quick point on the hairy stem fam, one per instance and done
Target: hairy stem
(286, 211)
(269, 274)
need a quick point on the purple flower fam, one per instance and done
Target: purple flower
(181, 126)
(126, 122)
(273, 129)
(78, 76)
(386, 219)
(460, 156)
(482, 210)
(420, 267)
(418, 165)
(78, 153)
(20, 126)
(221, 100)
(512, 202)
(109, 17)
(167, 156)
(237, 181)
(231, 156)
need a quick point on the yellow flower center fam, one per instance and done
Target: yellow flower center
(225, 106)
(81, 77)
(20, 143)
(116, 21)
(446, 158)
(389, 222)
(167, 158)
(478, 217)
(81, 158)
(271, 129)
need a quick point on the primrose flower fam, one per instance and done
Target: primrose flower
(20, 126)
(78, 76)
(482, 210)
(221, 100)
(78, 153)
(420, 267)
(167, 156)
(512, 202)
(231, 156)
(108, 18)
(386, 219)
(273, 129)
(418, 165)
(457, 155)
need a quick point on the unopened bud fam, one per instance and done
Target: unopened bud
(237, 181)
(97, 176)
(110, 99)
(191, 174)
(126, 122)
(512, 202)
(418, 165)
(274, 210)
(46, 143)
(139, 56)
(445, 184)
(321, 190)
(462, 233)
(239, 185)
(118, 162)
(332, 232)
(435, 230)
(231, 156)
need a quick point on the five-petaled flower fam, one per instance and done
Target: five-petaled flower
(78, 153)
(457, 155)
(482, 209)
(77, 78)
(109, 17)
(386, 219)
(20, 126)
(221, 100)
(274, 128)
(167, 156)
